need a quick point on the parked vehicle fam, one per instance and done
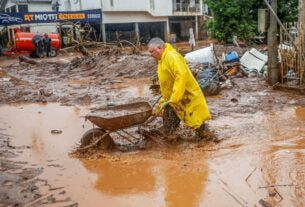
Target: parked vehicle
(7, 19)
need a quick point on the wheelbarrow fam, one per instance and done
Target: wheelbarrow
(115, 119)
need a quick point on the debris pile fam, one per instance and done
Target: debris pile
(215, 72)
(75, 78)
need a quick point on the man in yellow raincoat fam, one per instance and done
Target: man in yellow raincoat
(182, 98)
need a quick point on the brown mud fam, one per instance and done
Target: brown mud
(258, 161)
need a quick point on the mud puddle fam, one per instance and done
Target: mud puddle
(260, 160)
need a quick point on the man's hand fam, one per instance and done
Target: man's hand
(158, 111)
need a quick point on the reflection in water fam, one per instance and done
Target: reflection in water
(182, 186)
(300, 113)
(134, 88)
(37, 144)
(283, 165)
(122, 178)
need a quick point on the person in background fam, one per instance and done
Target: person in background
(182, 98)
(47, 44)
(192, 39)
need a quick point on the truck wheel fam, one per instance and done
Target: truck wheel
(92, 135)
(53, 53)
(33, 55)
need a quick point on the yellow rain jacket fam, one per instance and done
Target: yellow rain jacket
(180, 89)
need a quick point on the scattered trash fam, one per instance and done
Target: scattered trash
(226, 85)
(231, 56)
(5, 79)
(63, 62)
(253, 73)
(292, 78)
(253, 59)
(45, 92)
(209, 81)
(28, 60)
(55, 131)
(234, 100)
(204, 55)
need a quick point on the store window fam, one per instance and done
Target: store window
(23, 8)
(13, 9)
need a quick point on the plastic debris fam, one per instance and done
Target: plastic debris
(204, 55)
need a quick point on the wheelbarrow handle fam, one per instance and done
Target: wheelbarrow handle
(158, 99)
(153, 117)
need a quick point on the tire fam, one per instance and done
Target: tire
(53, 53)
(33, 55)
(92, 135)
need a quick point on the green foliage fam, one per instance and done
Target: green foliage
(231, 18)
(239, 17)
(288, 10)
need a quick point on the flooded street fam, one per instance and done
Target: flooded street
(261, 160)
(256, 160)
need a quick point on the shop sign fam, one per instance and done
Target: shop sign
(47, 17)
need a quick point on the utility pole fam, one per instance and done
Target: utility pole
(301, 39)
(273, 69)
(301, 16)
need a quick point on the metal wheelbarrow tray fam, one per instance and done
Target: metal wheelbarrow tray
(121, 116)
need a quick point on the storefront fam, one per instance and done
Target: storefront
(87, 21)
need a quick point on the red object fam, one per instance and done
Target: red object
(24, 41)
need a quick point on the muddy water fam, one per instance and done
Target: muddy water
(261, 158)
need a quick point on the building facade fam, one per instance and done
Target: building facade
(18, 6)
(145, 19)
(134, 20)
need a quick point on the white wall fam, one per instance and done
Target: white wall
(126, 5)
(34, 7)
(161, 7)
(68, 5)
(9, 4)
(40, 7)
(91, 4)
(130, 17)
(72, 5)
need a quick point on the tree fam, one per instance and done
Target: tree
(231, 18)
(301, 16)
(301, 28)
(288, 10)
(239, 17)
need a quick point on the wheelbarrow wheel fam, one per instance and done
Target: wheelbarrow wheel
(92, 135)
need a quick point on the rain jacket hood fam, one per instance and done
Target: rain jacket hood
(180, 88)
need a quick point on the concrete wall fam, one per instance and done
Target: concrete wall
(33, 7)
(39, 7)
(91, 4)
(9, 4)
(163, 8)
(129, 17)
(154, 7)
(70, 5)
